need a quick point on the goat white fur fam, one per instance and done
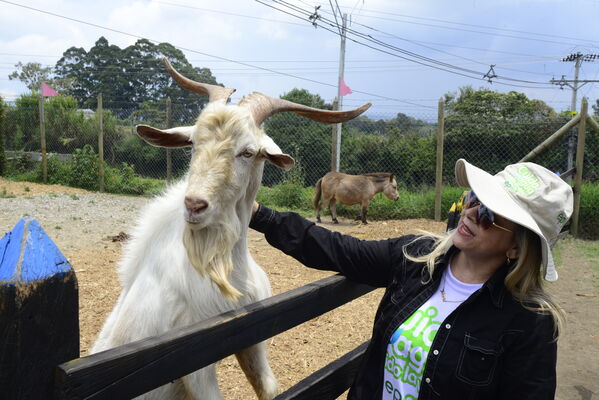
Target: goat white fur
(187, 259)
(163, 289)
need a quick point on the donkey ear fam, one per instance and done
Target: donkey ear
(174, 137)
(391, 177)
(272, 153)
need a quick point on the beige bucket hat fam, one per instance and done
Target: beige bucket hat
(529, 195)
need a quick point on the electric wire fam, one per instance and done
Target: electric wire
(191, 50)
(394, 48)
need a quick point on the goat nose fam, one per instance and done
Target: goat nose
(195, 205)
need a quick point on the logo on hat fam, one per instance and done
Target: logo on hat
(523, 182)
(561, 219)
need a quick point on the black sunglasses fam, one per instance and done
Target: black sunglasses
(484, 217)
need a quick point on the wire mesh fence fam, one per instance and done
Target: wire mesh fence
(377, 143)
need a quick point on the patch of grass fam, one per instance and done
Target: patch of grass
(27, 189)
(590, 251)
(74, 197)
(52, 195)
(287, 197)
(5, 195)
(58, 227)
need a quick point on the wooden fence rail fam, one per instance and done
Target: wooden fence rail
(34, 272)
(141, 366)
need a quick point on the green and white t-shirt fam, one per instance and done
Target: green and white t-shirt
(410, 344)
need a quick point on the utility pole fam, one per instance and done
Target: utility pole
(336, 147)
(578, 58)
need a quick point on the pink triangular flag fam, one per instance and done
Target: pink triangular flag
(343, 88)
(47, 91)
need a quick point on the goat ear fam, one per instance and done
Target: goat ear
(391, 177)
(174, 137)
(272, 153)
(281, 160)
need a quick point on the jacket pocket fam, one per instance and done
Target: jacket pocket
(477, 362)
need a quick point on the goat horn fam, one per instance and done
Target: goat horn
(214, 92)
(263, 107)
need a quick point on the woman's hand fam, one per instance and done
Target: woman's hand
(255, 208)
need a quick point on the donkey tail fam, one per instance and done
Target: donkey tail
(318, 193)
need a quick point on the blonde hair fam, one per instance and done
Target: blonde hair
(523, 281)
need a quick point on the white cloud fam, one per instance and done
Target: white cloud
(253, 33)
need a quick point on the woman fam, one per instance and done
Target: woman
(464, 315)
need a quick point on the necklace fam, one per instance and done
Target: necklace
(444, 298)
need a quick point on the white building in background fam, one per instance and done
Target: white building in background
(87, 112)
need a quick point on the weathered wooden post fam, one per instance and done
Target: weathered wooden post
(39, 313)
(43, 141)
(582, 126)
(101, 142)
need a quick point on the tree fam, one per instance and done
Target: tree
(25, 135)
(492, 129)
(131, 76)
(596, 107)
(32, 75)
(487, 103)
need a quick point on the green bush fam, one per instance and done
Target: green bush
(123, 180)
(288, 196)
(84, 169)
(59, 173)
(588, 227)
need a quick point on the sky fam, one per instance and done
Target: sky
(402, 56)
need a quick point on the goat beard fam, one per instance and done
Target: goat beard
(210, 252)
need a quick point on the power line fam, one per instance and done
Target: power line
(417, 58)
(191, 50)
(480, 32)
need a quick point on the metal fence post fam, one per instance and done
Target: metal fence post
(582, 126)
(100, 143)
(169, 124)
(439, 169)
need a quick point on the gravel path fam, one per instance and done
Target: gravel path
(75, 220)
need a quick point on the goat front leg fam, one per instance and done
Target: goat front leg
(201, 385)
(255, 365)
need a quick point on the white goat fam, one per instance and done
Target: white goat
(187, 259)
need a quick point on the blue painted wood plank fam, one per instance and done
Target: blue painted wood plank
(29, 255)
(10, 250)
(39, 315)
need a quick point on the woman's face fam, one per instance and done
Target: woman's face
(494, 242)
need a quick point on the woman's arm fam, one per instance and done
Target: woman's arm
(370, 262)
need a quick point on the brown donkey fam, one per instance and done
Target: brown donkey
(352, 189)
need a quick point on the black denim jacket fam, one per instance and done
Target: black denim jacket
(490, 347)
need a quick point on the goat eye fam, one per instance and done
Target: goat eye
(247, 154)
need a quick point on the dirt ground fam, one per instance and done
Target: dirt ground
(86, 237)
